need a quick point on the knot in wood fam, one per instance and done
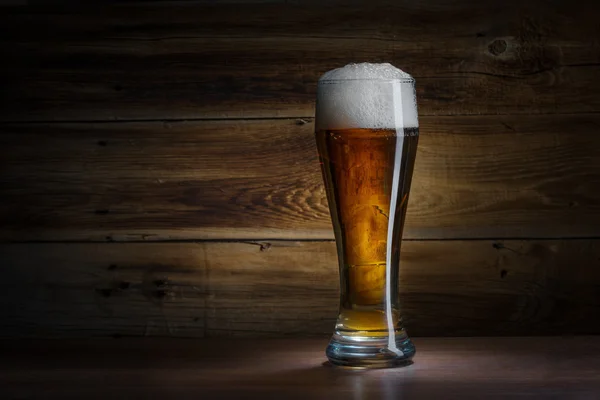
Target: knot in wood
(497, 47)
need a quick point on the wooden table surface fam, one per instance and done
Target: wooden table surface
(549, 367)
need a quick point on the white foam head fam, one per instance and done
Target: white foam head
(373, 96)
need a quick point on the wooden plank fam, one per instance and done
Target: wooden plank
(475, 177)
(448, 288)
(448, 368)
(263, 60)
(67, 291)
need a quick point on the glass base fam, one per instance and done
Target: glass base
(369, 352)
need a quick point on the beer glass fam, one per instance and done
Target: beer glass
(367, 133)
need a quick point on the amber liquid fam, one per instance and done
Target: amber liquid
(358, 168)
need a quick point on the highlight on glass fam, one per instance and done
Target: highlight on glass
(367, 132)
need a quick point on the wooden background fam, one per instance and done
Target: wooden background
(158, 170)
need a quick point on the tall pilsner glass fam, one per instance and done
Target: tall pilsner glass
(367, 132)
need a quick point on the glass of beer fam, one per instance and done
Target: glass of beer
(367, 132)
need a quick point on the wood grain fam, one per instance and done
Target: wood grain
(263, 60)
(475, 177)
(448, 368)
(448, 288)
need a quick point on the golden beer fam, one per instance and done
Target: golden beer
(358, 168)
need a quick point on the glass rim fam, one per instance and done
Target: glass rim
(401, 80)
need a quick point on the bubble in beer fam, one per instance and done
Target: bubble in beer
(373, 96)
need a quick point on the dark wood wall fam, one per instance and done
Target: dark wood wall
(159, 173)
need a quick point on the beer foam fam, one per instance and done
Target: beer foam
(372, 96)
